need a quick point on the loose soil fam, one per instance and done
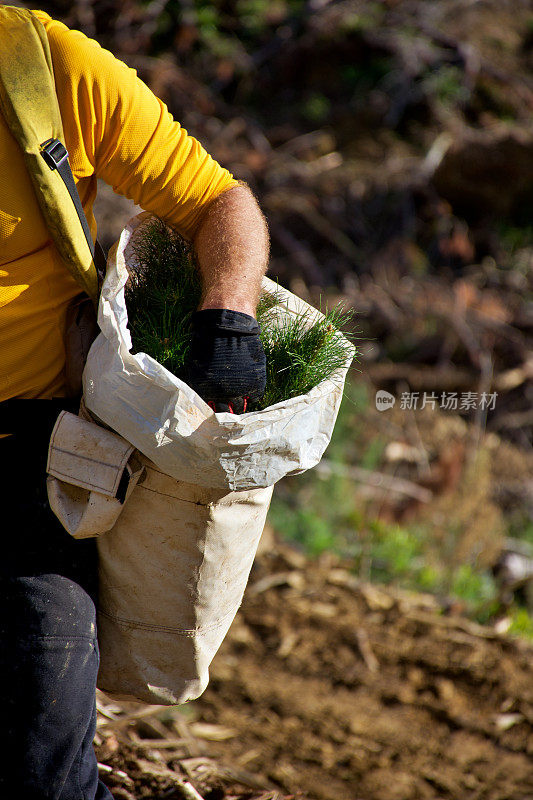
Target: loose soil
(333, 689)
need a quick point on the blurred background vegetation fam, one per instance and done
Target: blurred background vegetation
(390, 146)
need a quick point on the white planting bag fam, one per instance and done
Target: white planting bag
(168, 422)
(175, 563)
(172, 574)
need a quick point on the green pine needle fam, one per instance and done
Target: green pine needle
(164, 290)
(302, 352)
(162, 294)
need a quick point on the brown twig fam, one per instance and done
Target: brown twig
(382, 480)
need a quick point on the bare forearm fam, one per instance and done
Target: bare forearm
(232, 247)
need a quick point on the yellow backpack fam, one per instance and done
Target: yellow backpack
(29, 105)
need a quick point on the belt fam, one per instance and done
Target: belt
(33, 416)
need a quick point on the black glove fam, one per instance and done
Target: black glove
(226, 364)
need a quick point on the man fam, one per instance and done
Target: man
(115, 129)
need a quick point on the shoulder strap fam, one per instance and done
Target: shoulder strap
(29, 105)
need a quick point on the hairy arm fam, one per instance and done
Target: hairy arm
(232, 247)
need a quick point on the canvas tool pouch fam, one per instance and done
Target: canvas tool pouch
(91, 472)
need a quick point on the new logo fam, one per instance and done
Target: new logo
(384, 400)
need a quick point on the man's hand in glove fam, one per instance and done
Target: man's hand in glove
(226, 365)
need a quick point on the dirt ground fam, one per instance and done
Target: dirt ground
(331, 689)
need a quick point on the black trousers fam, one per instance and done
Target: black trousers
(48, 647)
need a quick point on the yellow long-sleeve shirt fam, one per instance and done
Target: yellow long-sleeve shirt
(115, 129)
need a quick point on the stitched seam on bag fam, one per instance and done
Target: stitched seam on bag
(56, 427)
(152, 467)
(121, 463)
(53, 470)
(174, 497)
(86, 485)
(181, 631)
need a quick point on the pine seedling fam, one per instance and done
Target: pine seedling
(162, 293)
(164, 290)
(302, 351)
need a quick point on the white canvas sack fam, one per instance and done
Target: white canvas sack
(196, 489)
(173, 563)
(168, 422)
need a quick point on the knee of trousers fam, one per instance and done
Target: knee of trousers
(46, 605)
(48, 673)
(49, 659)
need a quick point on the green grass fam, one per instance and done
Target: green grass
(326, 514)
(522, 623)
(325, 520)
(515, 237)
(446, 84)
(316, 108)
